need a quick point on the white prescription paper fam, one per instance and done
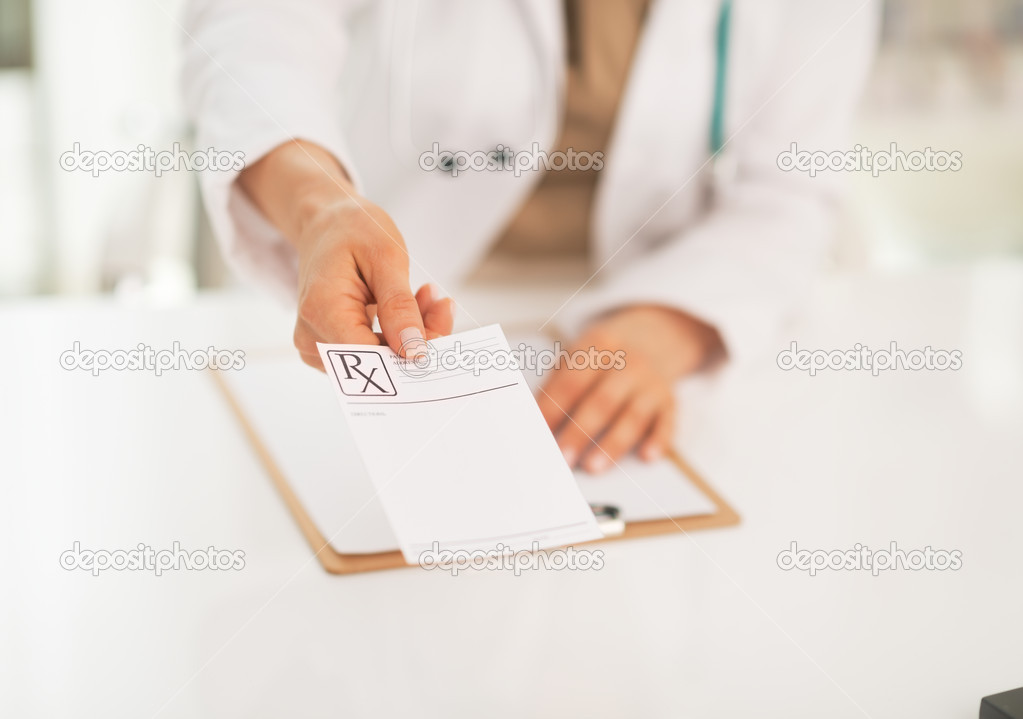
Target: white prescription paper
(458, 452)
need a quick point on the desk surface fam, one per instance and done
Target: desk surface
(706, 625)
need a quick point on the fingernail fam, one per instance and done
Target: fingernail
(431, 291)
(570, 456)
(651, 452)
(597, 462)
(412, 342)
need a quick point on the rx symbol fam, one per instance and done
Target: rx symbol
(362, 373)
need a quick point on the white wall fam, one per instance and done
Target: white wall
(107, 73)
(20, 230)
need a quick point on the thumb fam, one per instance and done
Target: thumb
(398, 312)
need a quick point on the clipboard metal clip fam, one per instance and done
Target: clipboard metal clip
(609, 519)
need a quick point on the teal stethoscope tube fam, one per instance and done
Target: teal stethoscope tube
(717, 118)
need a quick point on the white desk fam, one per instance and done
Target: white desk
(703, 626)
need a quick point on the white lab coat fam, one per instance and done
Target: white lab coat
(378, 82)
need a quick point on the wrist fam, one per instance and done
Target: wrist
(676, 342)
(296, 184)
(320, 206)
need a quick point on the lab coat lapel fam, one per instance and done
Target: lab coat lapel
(651, 180)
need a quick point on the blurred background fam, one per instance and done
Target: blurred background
(949, 76)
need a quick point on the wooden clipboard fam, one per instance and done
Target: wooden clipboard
(338, 563)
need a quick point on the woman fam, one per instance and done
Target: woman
(360, 122)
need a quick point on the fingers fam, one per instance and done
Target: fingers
(351, 322)
(306, 338)
(313, 361)
(352, 263)
(658, 442)
(560, 394)
(334, 306)
(592, 415)
(633, 425)
(335, 318)
(425, 298)
(599, 416)
(441, 318)
(386, 275)
(438, 313)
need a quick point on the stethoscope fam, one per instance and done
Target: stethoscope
(717, 117)
(721, 169)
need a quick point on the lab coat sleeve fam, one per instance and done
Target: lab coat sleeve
(256, 74)
(758, 249)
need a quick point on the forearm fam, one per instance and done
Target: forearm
(678, 344)
(692, 345)
(294, 183)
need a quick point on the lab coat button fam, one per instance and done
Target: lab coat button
(500, 155)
